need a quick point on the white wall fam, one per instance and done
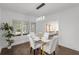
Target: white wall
(69, 27)
(8, 16)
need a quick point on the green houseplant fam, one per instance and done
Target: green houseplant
(8, 33)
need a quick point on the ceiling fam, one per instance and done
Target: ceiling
(30, 8)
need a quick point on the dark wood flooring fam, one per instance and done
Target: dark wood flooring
(24, 49)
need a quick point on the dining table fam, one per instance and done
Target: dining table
(44, 41)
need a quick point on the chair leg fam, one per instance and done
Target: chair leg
(37, 51)
(54, 52)
(30, 50)
(34, 52)
(40, 51)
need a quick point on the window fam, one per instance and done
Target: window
(20, 27)
(40, 18)
(33, 27)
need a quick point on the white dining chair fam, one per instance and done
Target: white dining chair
(50, 47)
(34, 36)
(35, 43)
(45, 36)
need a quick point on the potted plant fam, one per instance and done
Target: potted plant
(8, 33)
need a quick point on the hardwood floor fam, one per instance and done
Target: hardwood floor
(24, 49)
(66, 51)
